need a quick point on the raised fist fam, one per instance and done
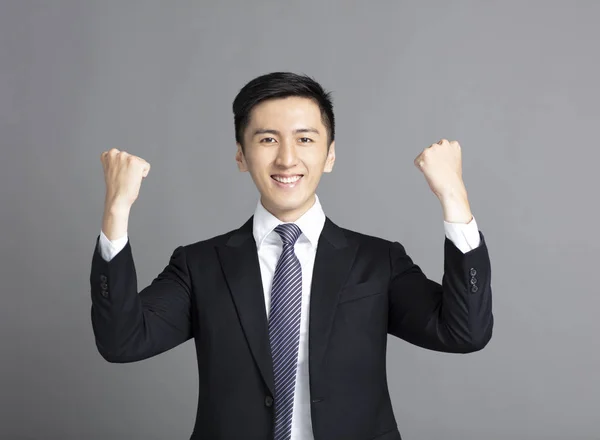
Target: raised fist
(441, 163)
(123, 174)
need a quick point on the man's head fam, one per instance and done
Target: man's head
(284, 128)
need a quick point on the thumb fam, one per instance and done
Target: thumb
(145, 170)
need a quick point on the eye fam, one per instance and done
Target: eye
(305, 140)
(268, 140)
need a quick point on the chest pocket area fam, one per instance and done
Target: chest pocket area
(361, 291)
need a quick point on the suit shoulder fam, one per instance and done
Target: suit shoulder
(366, 239)
(217, 240)
(372, 245)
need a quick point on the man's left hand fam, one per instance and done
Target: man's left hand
(441, 164)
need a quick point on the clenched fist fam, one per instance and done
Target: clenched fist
(441, 164)
(123, 174)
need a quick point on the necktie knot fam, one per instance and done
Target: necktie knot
(289, 232)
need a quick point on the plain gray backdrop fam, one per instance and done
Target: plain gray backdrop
(516, 83)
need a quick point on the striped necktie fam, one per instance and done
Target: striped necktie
(284, 328)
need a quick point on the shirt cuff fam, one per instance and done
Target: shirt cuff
(465, 236)
(110, 248)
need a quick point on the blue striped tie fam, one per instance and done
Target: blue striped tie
(284, 328)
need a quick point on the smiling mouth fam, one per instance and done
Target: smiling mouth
(288, 179)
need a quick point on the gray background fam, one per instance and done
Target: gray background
(515, 83)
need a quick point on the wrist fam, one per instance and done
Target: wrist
(116, 207)
(115, 221)
(456, 209)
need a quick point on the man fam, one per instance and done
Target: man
(290, 312)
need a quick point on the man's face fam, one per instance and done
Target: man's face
(285, 151)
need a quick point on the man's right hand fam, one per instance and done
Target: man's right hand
(123, 174)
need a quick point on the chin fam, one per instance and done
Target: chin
(282, 203)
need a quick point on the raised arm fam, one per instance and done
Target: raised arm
(130, 326)
(455, 316)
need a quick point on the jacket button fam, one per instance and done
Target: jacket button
(473, 272)
(474, 288)
(105, 294)
(104, 286)
(103, 278)
(269, 401)
(473, 280)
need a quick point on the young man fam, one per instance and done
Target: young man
(290, 313)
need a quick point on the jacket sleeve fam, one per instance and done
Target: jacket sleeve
(129, 326)
(454, 317)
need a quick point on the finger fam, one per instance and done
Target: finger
(419, 162)
(440, 142)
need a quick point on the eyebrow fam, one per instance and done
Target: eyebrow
(276, 132)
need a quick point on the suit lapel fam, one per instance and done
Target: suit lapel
(239, 260)
(335, 255)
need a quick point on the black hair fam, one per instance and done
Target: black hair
(281, 85)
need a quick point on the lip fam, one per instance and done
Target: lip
(287, 185)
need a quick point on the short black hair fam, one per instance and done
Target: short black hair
(281, 85)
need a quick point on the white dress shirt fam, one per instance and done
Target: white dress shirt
(269, 247)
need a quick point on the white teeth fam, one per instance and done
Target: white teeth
(287, 179)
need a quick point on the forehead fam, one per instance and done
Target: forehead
(292, 110)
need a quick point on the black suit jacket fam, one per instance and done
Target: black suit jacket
(363, 288)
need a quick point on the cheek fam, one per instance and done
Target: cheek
(315, 163)
(258, 167)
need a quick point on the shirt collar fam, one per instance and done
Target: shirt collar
(311, 223)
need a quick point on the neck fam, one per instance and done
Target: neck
(291, 215)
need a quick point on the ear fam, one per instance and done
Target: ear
(330, 158)
(240, 159)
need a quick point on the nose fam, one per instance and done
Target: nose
(286, 155)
